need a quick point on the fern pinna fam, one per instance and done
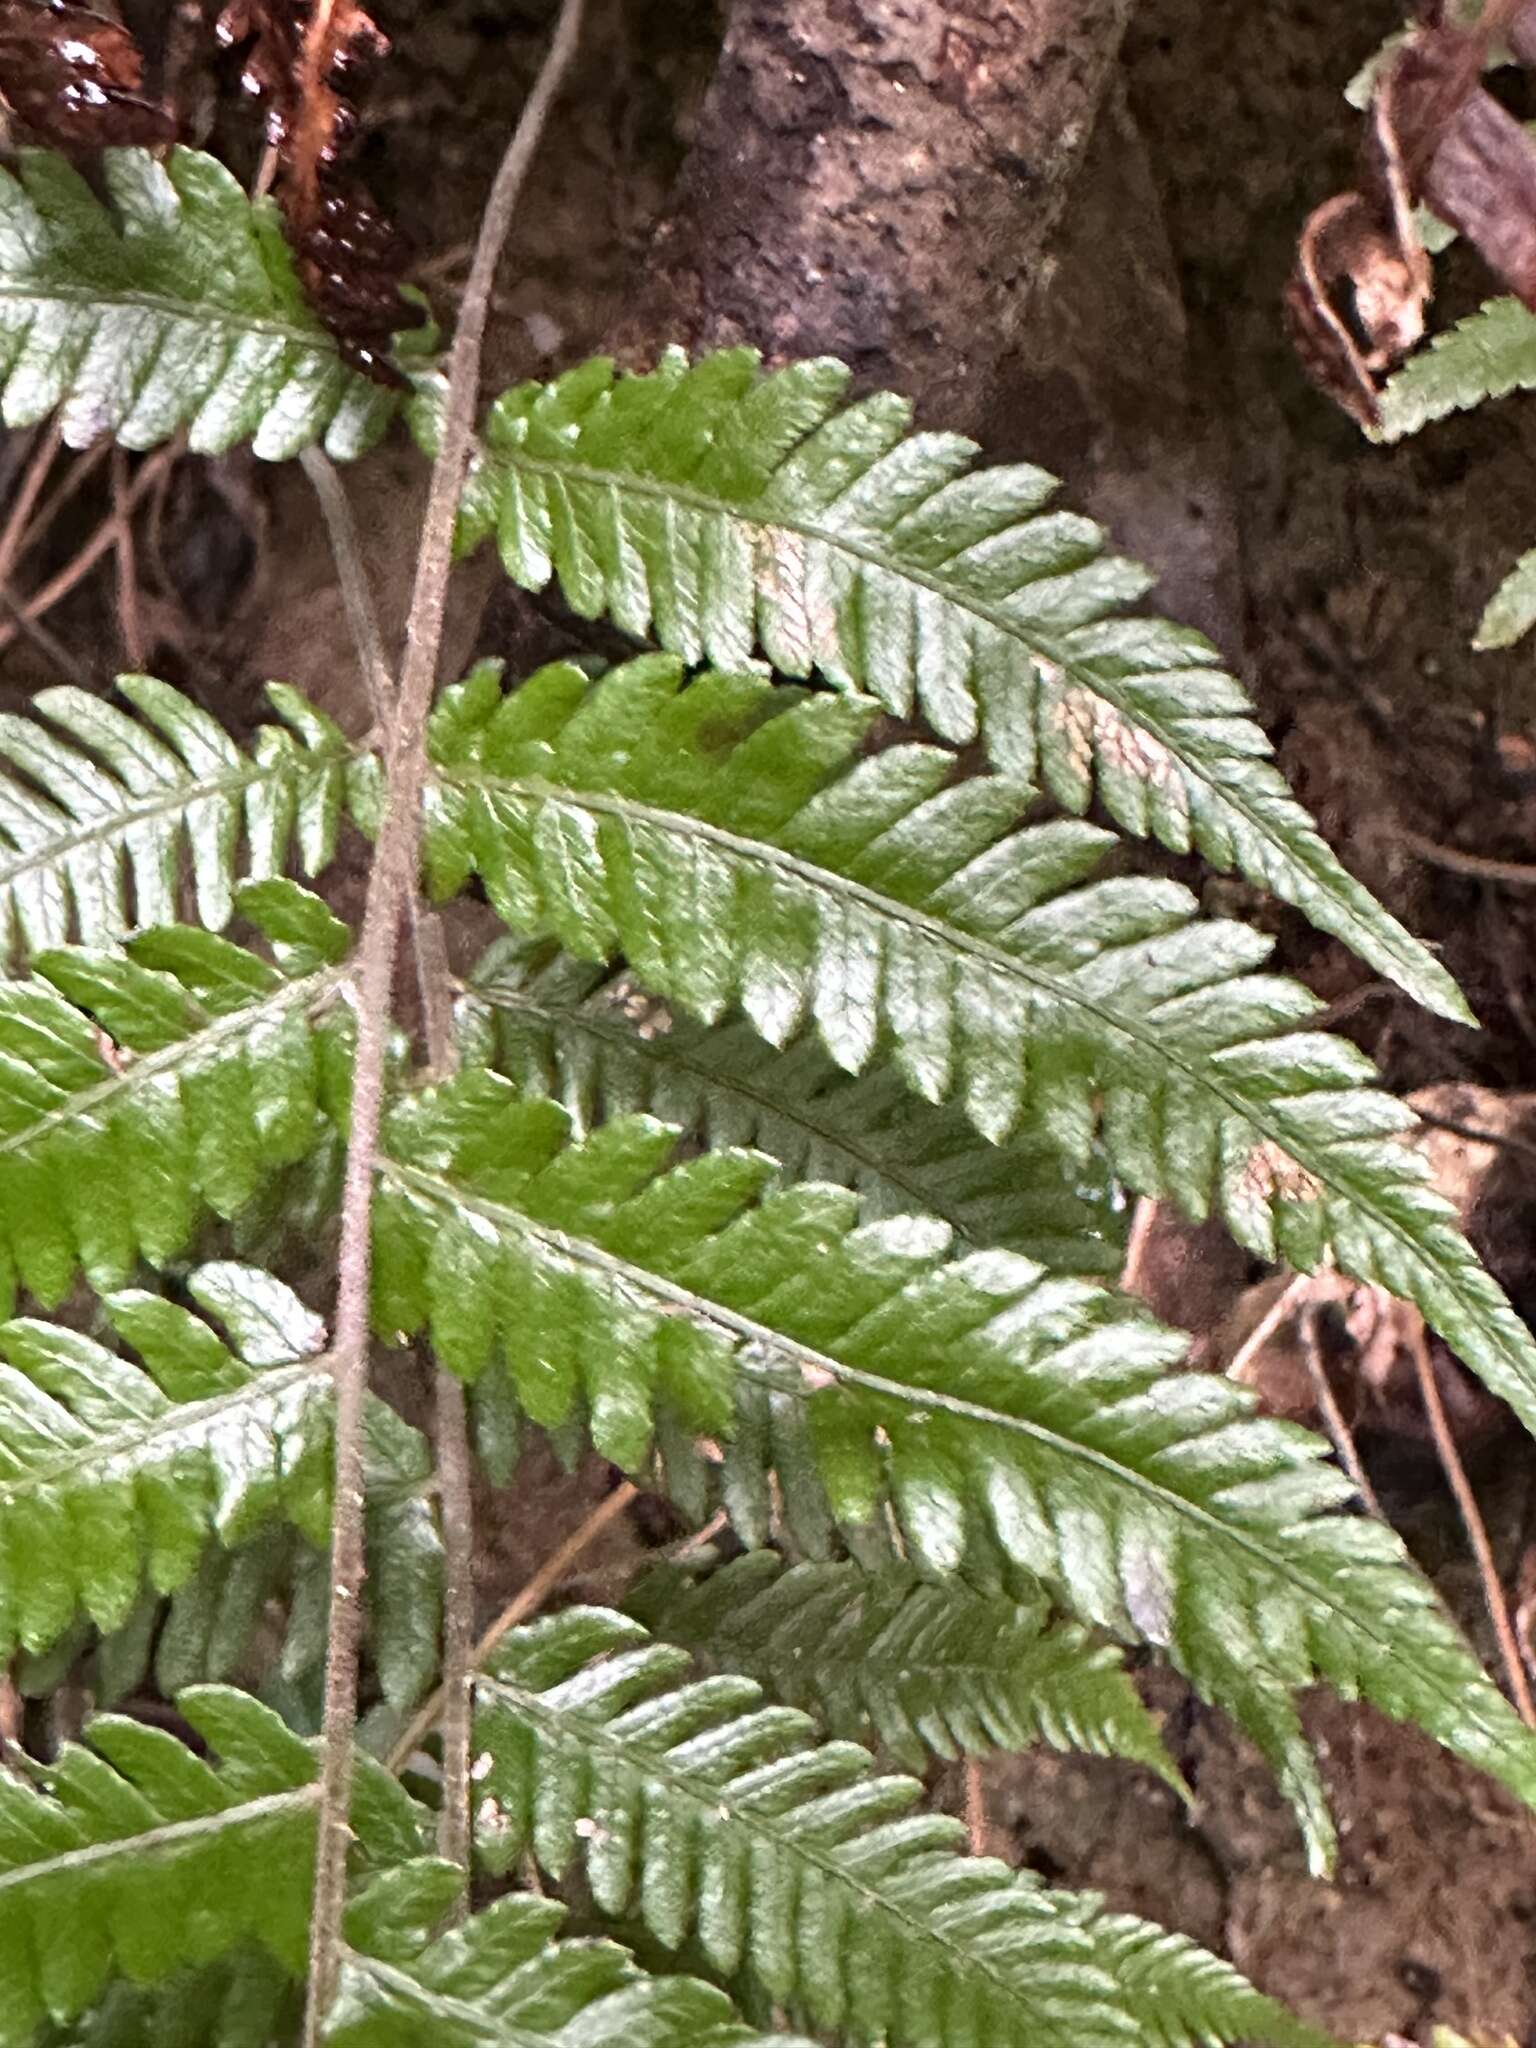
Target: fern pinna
(782, 1150)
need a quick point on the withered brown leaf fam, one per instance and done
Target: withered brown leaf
(74, 78)
(1355, 301)
(306, 61)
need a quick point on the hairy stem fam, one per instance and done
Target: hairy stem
(390, 887)
(457, 1511)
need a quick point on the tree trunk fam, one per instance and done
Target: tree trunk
(878, 180)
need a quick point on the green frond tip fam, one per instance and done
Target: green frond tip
(730, 841)
(1511, 612)
(150, 1085)
(103, 814)
(720, 510)
(601, 1046)
(797, 1871)
(135, 1858)
(994, 1414)
(502, 1978)
(926, 1669)
(175, 304)
(116, 1476)
(1489, 354)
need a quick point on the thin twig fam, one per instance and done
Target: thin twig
(1477, 864)
(456, 1509)
(26, 497)
(1266, 1326)
(1142, 1219)
(977, 1822)
(81, 564)
(1499, 1141)
(389, 885)
(77, 472)
(528, 1599)
(47, 643)
(1477, 1533)
(127, 567)
(1333, 1415)
(352, 577)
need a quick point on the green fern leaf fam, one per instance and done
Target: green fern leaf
(246, 2001)
(719, 836)
(719, 1820)
(1489, 354)
(99, 818)
(502, 1979)
(1511, 612)
(717, 509)
(600, 1047)
(924, 1669)
(205, 1071)
(175, 305)
(136, 1858)
(993, 1411)
(115, 1475)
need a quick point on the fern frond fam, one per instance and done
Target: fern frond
(1511, 612)
(502, 1978)
(722, 1821)
(600, 1047)
(719, 836)
(925, 1669)
(176, 304)
(246, 2001)
(1487, 355)
(99, 817)
(147, 1086)
(114, 1474)
(136, 1857)
(718, 509)
(989, 1409)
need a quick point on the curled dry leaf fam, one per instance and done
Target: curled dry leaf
(74, 78)
(306, 61)
(1355, 302)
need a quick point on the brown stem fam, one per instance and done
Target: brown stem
(1477, 1533)
(528, 1599)
(128, 615)
(26, 497)
(81, 564)
(1332, 1414)
(389, 886)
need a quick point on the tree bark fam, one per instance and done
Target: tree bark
(879, 179)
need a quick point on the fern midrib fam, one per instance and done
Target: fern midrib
(311, 988)
(952, 938)
(170, 1835)
(807, 1363)
(137, 1442)
(1039, 648)
(175, 798)
(203, 314)
(666, 1051)
(966, 1962)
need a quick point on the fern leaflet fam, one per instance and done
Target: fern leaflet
(502, 1980)
(1489, 354)
(716, 1818)
(178, 305)
(997, 1412)
(137, 1857)
(114, 1474)
(717, 509)
(925, 1669)
(600, 1047)
(722, 836)
(93, 840)
(205, 1070)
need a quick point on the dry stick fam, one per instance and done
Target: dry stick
(1477, 1533)
(47, 643)
(1333, 1415)
(1477, 864)
(81, 565)
(527, 1600)
(26, 497)
(76, 473)
(1266, 1326)
(456, 1508)
(389, 884)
